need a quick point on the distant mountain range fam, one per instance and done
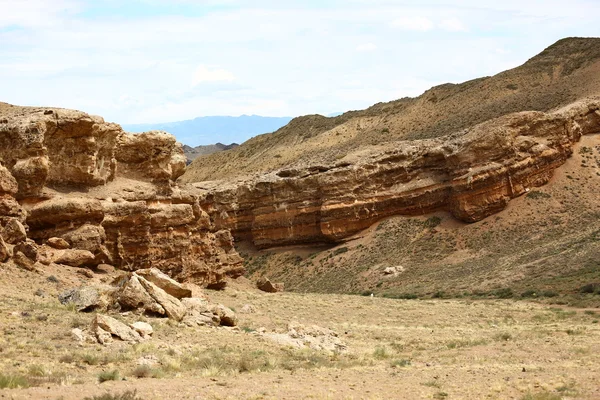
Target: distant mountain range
(192, 152)
(210, 130)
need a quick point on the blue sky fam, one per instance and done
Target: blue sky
(143, 61)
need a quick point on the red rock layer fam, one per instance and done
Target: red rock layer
(472, 174)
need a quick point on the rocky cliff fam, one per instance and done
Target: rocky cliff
(472, 173)
(76, 190)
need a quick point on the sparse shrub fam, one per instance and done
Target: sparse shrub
(541, 396)
(108, 376)
(504, 293)
(503, 337)
(590, 288)
(13, 381)
(432, 222)
(381, 353)
(512, 86)
(534, 195)
(403, 362)
(128, 395)
(339, 251)
(385, 130)
(142, 371)
(529, 293)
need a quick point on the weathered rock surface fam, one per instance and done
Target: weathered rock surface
(134, 296)
(473, 174)
(266, 285)
(173, 307)
(66, 175)
(105, 328)
(88, 298)
(164, 282)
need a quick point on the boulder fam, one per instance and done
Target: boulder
(226, 315)
(164, 282)
(103, 324)
(173, 307)
(14, 232)
(28, 248)
(134, 296)
(266, 285)
(248, 309)
(87, 298)
(58, 243)
(74, 258)
(21, 260)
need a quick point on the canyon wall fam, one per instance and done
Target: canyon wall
(472, 174)
(82, 192)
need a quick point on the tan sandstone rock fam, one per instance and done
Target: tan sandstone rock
(164, 282)
(134, 296)
(105, 328)
(173, 307)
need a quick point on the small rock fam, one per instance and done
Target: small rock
(40, 293)
(4, 252)
(103, 324)
(227, 316)
(248, 309)
(144, 329)
(85, 272)
(78, 335)
(58, 243)
(105, 269)
(150, 360)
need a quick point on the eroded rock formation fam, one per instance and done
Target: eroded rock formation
(88, 193)
(473, 174)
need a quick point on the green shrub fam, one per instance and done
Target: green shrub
(13, 381)
(108, 376)
(128, 395)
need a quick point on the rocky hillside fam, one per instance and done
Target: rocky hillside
(78, 191)
(563, 73)
(192, 153)
(472, 174)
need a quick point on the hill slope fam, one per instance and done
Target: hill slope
(561, 74)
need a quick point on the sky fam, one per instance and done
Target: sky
(147, 61)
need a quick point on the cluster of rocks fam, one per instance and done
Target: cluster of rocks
(78, 191)
(313, 336)
(148, 292)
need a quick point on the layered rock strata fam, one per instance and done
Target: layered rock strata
(88, 193)
(472, 174)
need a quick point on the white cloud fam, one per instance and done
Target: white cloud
(365, 47)
(453, 25)
(266, 56)
(421, 24)
(204, 74)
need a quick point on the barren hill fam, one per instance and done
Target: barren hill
(564, 72)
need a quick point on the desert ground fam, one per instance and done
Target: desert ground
(396, 349)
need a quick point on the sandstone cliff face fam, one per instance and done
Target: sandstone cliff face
(473, 174)
(110, 195)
